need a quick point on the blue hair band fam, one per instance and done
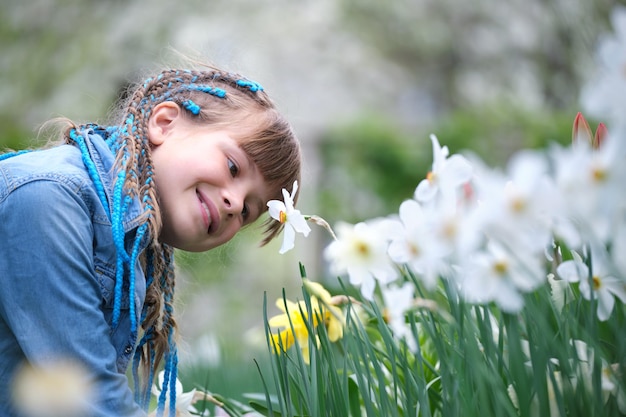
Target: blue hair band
(251, 85)
(192, 107)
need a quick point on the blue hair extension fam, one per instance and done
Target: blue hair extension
(133, 259)
(173, 360)
(118, 239)
(169, 382)
(192, 107)
(12, 154)
(91, 168)
(251, 85)
(164, 386)
(214, 91)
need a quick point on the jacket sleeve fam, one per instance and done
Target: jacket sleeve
(50, 297)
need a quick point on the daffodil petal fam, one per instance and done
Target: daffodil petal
(275, 207)
(289, 237)
(299, 223)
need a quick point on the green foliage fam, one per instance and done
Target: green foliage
(368, 167)
(470, 360)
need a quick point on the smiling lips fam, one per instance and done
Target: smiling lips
(209, 214)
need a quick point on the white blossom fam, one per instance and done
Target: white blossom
(361, 251)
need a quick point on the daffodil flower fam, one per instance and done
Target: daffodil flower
(285, 213)
(601, 285)
(361, 251)
(295, 317)
(333, 316)
(184, 400)
(447, 174)
(293, 322)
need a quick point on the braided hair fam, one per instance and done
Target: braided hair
(211, 98)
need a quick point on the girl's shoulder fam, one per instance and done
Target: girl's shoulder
(58, 164)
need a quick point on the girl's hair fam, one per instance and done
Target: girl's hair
(213, 99)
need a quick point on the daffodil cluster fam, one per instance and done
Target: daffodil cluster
(533, 249)
(295, 318)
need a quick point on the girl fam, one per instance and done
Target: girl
(89, 227)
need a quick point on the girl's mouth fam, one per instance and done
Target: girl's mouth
(209, 214)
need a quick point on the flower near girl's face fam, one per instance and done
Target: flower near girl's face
(285, 213)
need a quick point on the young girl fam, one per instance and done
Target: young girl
(88, 228)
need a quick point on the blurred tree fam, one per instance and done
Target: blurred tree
(463, 53)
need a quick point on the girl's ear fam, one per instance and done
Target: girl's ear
(165, 116)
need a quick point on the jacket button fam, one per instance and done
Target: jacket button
(128, 349)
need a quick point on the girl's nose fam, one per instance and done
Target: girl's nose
(232, 204)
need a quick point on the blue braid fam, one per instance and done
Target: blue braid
(173, 363)
(91, 168)
(12, 154)
(251, 85)
(214, 91)
(166, 382)
(118, 238)
(133, 259)
(169, 381)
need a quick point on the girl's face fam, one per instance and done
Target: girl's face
(207, 186)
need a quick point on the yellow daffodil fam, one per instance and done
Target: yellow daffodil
(332, 315)
(294, 319)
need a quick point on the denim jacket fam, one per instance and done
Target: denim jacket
(57, 274)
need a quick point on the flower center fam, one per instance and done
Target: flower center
(500, 267)
(431, 176)
(597, 282)
(518, 204)
(362, 249)
(598, 174)
(282, 217)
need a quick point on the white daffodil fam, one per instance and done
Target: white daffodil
(447, 175)
(413, 242)
(398, 300)
(495, 274)
(184, 400)
(515, 208)
(361, 251)
(600, 284)
(604, 95)
(293, 220)
(589, 189)
(609, 374)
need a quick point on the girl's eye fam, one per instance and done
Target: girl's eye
(232, 167)
(245, 212)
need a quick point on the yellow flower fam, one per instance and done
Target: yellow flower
(294, 320)
(333, 316)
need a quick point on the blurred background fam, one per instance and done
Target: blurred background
(364, 83)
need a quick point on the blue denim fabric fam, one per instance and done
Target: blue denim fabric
(57, 274)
